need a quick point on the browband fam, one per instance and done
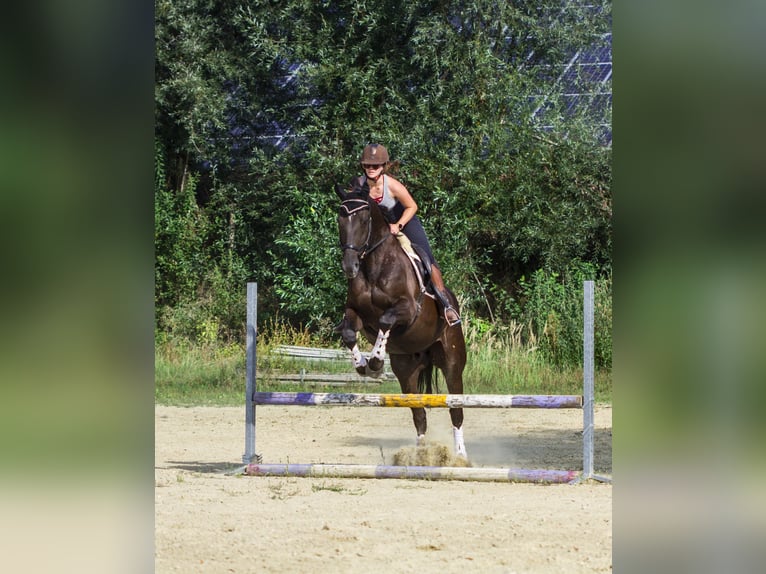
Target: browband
(351, 206)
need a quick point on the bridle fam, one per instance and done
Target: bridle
(351, 208)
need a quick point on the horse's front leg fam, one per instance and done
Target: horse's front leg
(378, 354)
(387, 322)
(348, 329)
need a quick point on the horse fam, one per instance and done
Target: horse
(386, 302)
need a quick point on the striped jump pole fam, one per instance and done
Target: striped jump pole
(418, 401)
(480, 474)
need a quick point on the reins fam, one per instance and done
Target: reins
(374, 247)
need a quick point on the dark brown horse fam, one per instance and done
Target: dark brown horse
(386, 303)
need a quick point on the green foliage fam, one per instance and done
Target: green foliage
(550, 207)
(179, 234)
(553, 312)
(602, 323)
(261, 107)
(199, 277)
(309, 283)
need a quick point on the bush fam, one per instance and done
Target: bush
(552, 308)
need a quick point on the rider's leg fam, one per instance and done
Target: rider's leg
(450, 313)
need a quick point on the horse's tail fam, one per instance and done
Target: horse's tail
(427, 383)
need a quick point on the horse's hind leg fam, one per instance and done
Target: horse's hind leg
(421, 425)
(457, 429)
(452, 365)
(407, 369)
(457, 436)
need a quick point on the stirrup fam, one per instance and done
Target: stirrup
(456, 321)
(446, 306)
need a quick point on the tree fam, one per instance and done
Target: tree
(268, 105)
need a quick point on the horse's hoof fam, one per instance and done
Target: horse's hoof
(375, 365)
(373, 373)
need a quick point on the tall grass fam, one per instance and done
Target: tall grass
(552, 314)
(499, 362)
(193, 374)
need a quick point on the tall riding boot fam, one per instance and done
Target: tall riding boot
(450, 313)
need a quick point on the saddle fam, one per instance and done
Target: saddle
(419, 260)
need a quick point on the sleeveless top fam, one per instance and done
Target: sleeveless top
(386, 201)
(393, 210)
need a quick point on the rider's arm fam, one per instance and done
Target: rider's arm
(400, 194)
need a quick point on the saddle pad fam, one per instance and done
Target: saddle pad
(414, 258)
(404, 241)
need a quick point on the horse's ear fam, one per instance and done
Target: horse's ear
(359, 185)
(340, 192)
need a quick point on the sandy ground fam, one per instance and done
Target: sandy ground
(208, 521)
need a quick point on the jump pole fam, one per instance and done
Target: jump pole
(480, 474)
(420, 401)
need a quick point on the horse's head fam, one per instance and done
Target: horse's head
(355, 228)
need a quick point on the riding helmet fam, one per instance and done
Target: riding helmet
(374, 153)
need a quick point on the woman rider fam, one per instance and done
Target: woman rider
(400, 208)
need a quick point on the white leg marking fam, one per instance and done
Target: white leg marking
(359, 359)
(457, 434)
(379, 350)
(421, 440)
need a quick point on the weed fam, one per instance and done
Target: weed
(282, 490)
(337, 487)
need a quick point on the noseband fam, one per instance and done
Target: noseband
(349, 208)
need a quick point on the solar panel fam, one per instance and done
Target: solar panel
(582, 83)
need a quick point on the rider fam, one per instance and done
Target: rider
(399, 208)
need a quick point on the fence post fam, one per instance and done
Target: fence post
(588, 390)
(251, 339)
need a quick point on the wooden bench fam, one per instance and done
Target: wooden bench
(317, 354)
